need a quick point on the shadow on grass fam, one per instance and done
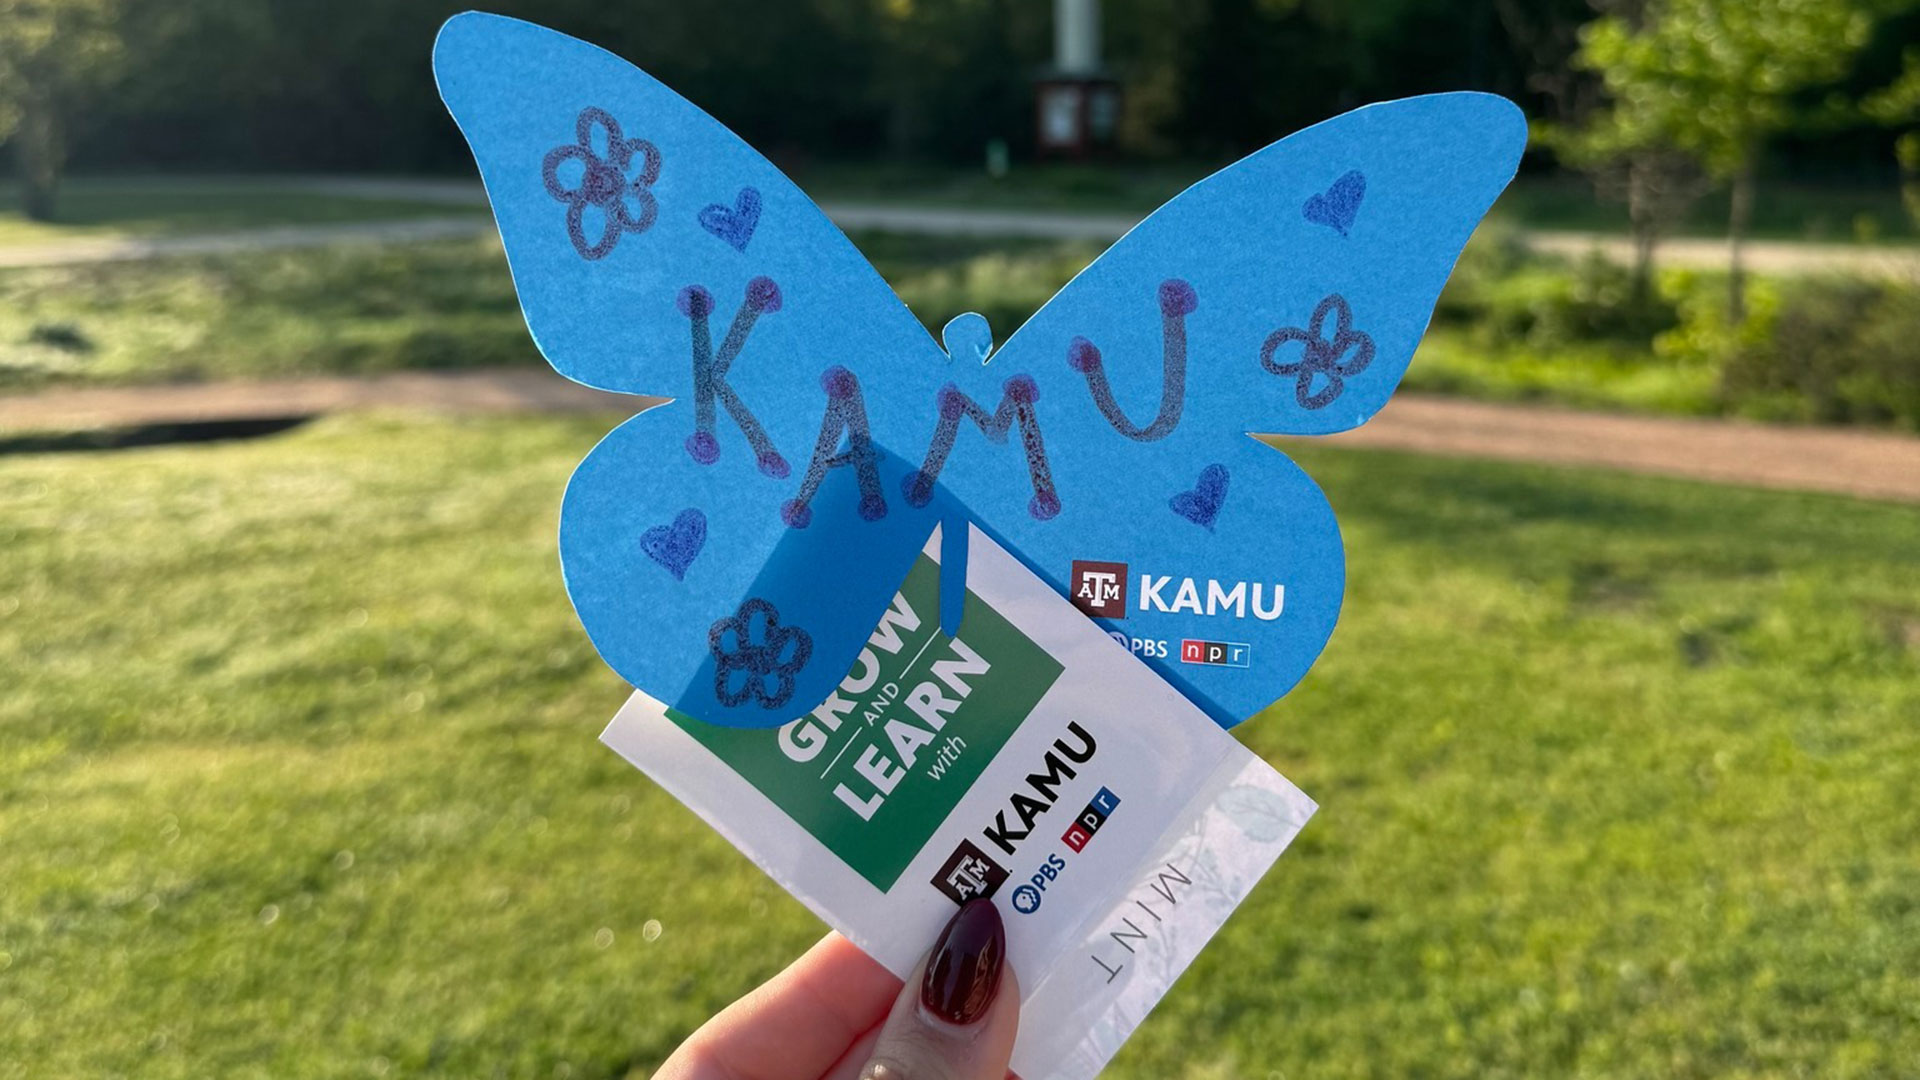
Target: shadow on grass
(126, 438)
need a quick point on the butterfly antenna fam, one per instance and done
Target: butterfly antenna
(953, 574)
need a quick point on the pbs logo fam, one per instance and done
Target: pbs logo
(1026, 899)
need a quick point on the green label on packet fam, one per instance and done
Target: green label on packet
(874, 770)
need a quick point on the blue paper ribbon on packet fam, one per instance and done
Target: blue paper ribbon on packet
(731, 552)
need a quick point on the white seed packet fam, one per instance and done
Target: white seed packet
(1031, 759)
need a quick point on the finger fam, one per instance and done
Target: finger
(956, 1017)
(855, 1059)
(797, 1024)
(848, 1068)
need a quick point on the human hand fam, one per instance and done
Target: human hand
(835, 1014)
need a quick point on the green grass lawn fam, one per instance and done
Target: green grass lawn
(1617, 778)
(109, 208)
(364, 308)
(1782, 211)
(350, 308)
(96, 207)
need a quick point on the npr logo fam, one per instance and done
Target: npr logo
(1100, 588)
(1214, 653)
(1090, 819)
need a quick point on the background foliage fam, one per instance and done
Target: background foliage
(291, 84)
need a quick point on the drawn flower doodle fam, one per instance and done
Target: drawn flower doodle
(604, 183)
(761, 665)
(1319, 355)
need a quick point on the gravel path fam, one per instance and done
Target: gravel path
(1774, 257)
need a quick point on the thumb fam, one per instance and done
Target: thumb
(955, 1019)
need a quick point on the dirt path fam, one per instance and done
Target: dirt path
(1779, 257)
(1870, 464)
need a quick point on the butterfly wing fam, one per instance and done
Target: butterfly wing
(1309, 270)
(1285, 294)
(656, 253)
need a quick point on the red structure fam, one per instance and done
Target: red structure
(1077, 101)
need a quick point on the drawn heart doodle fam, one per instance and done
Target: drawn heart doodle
(1202, 505)
(735, 225)
(675, 546)
(1337, 206)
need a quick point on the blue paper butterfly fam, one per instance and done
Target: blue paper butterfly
(731, 551)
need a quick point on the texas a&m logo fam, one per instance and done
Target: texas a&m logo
(968, 874)
(1100, 588)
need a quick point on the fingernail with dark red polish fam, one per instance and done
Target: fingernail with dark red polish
(963, 973)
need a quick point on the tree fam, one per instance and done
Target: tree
(54, 54)
(1715, 79)
(956, 74)
(1545, 34)
(1627, 162)
(1898, 104)
(1656, 181)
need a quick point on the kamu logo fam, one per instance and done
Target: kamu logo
(1100, 588)
(1219, 598)
(1045, 786)
(969, 874)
